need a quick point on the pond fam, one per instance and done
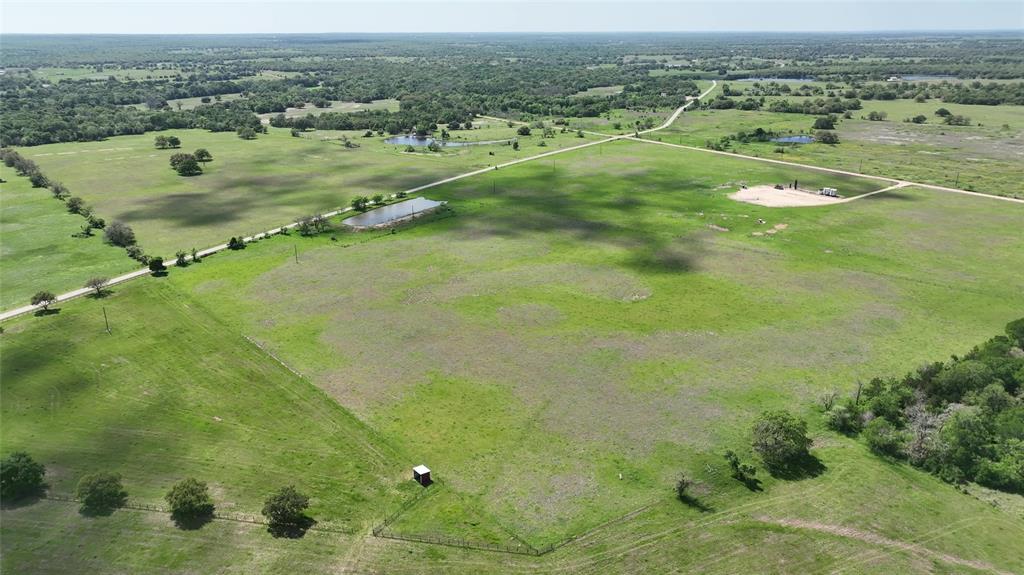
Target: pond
(775, 80)
(923, 78)
(391, 213)
(411, 140)
(794, 140)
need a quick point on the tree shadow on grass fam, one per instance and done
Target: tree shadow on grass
(188, 522)
(104, 509)
(100, 294)
(294, 530)
(46, 312)
(751, 483)
(806, 468)
(25, 500)
(691, 501)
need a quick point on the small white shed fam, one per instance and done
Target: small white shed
(421, 475)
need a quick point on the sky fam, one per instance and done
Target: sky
(311, 16)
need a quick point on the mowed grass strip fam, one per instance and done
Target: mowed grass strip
(38, 247)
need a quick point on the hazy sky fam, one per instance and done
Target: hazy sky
(281, 16)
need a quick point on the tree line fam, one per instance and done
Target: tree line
(962, 419)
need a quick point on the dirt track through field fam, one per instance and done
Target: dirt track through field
(881, 541)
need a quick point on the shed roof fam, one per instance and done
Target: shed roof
(421, 469)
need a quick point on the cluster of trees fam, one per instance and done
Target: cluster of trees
(962, 420)
(188, 500)
(742, 137)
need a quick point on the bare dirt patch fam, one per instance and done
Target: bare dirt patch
(787, 198)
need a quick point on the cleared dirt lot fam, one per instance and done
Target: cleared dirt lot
(770, 197)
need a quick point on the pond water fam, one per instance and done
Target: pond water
(775, 80)
(794, 139)
(411, 140)
(391, 213)
(923, 78)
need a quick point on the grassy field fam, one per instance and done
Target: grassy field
(557, 348)
(982, 158)
(39, 250)
(251, 186)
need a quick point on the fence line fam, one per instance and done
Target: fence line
(235, 516)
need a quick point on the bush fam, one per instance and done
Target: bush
(285, 511)
(236, 243)
(75, 204)
(181, 258)
(825, 123)
(189, 499)
(101, 492)
(119, 234)
(781, 439)
(883, 439)
(135, 252)
(826, 137)
(20, 476)
(360, 203)
(156, 265)
(844, 418)
(523, 131)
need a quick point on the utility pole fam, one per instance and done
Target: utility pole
(296, 253)
(957, 182)
(105, 320)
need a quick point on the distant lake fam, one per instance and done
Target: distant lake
(775, 80)
(926, 78)
(390, 213)
(794, 140)
(411, 140)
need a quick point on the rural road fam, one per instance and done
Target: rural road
(894, 183)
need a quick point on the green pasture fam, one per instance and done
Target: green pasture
(982, 158)
(557, 347)
(40, 248)
(254, 185)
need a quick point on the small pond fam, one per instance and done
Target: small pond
(794, 140)
(391, 213)
(411, 140)
(923, 78)
(775, 80)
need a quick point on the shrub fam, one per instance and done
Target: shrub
(883, 439)
(135, 252)
(181, 258)
(236, 243)
(189, 499)
(780, 439)
(120, 234)
(101, 492)
(156, 265)
(826, 137)
(20, 476)
(75, 204)
(844, 418)
(523, 130)
(825, 123)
